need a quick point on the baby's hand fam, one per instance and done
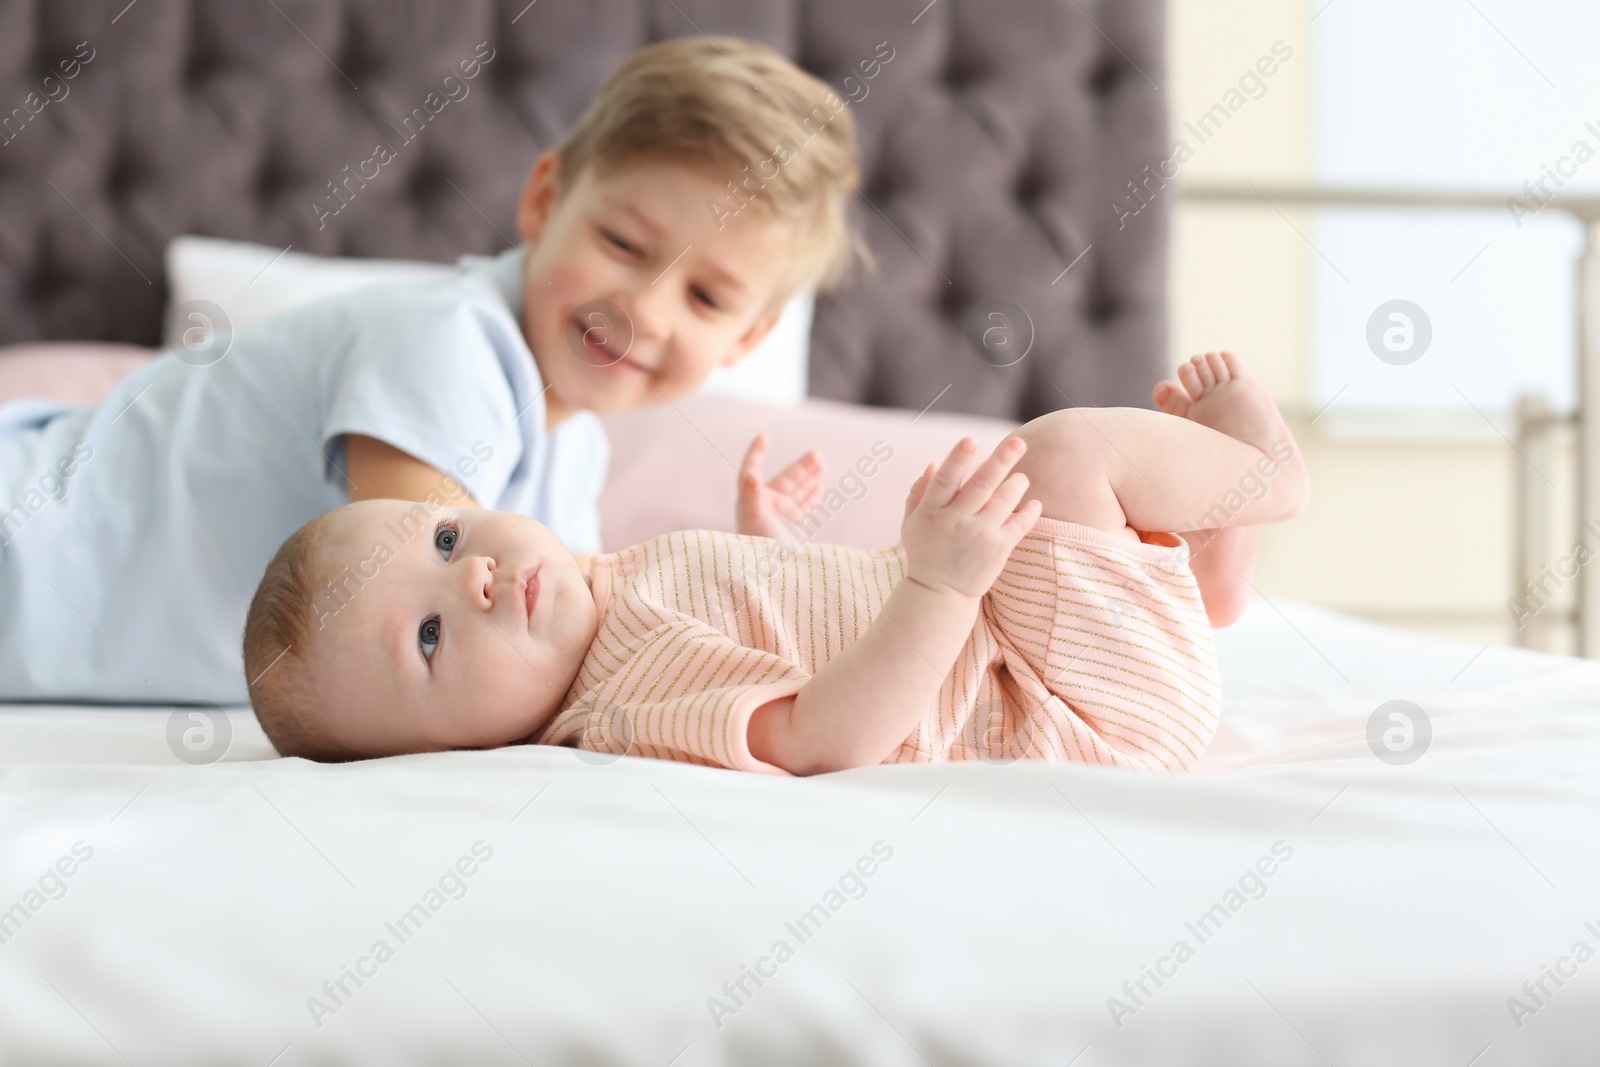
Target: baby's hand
(787, 497)
(958, 533)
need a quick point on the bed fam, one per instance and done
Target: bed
(172, 892)
(615, 903)
(973, 914)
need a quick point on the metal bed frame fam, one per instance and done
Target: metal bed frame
(1536, 508)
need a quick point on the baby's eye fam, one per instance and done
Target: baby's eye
(705, 298)
(618, 241)
(428, 637)
(445, 538)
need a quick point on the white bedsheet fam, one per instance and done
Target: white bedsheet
(617, 898)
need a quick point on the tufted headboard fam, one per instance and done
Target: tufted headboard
(995, 142)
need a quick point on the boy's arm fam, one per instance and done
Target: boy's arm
(379, 471)
(864, 702)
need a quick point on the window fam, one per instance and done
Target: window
(1472, 96)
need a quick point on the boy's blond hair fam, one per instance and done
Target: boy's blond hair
(278, 635)
(788, 139)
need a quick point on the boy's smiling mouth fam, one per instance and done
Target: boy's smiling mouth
(597, 343)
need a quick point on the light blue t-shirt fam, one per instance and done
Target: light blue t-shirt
(133, 534)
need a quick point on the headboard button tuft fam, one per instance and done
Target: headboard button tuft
(1105, 76)
(1102, 308)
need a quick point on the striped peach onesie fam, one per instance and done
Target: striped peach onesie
(1088, 648)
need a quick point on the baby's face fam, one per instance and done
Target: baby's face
(467, 636)
(636, 289)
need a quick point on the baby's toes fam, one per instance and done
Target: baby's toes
(1190, 379)
(1170, 397)
(1219, 366)
(1234, 364)
(1202, 370)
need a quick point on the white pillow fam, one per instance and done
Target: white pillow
(234, 276)
(775, 370)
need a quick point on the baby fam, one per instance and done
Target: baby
(1036, 608)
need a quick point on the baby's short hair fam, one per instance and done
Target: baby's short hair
(277, 644)
(737, 104)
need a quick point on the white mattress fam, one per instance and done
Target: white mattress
(1013, 902)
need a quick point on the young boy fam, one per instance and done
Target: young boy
(662, 238)
(989, 632)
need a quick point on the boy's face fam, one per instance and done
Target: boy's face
(642, 241)
(468, 635)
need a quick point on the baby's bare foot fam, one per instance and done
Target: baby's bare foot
(1216, 390)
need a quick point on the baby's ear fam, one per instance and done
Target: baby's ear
(751, 338)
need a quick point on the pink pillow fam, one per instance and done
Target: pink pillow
(73, 372)
(675, 467)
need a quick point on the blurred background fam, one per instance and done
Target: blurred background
(1432, 503)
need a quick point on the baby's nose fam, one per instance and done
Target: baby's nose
(480, 581)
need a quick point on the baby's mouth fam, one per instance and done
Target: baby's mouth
(530, 590)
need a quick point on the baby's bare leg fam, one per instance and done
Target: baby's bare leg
(1128, 469)
(1223, 560)
(1215, 473)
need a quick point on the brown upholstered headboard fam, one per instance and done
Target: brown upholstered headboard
(995, 141)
